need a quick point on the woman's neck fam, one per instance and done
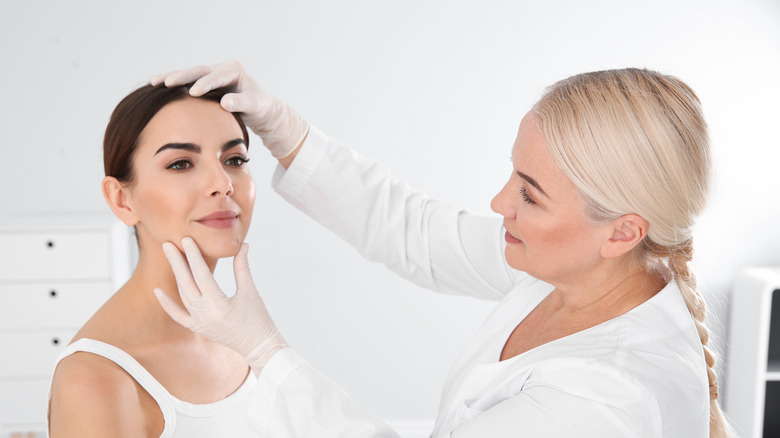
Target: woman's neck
(608, 292)
(153, 271)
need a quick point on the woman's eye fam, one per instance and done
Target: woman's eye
(524, 193)
(179, 165)
(237, 161)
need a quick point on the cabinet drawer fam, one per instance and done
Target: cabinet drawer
(31, 355)
(28, 256)
(24, 402)
(50, 305)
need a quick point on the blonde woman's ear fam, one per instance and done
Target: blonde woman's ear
(626, 233)
(115, 194)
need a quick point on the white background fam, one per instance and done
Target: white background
(433, 89)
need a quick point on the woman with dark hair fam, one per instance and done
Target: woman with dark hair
(175, 167)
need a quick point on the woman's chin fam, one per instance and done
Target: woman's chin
(213, 250)
(220, 251)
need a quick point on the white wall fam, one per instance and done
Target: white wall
(435, 90)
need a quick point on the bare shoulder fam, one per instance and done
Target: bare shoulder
(93, 396)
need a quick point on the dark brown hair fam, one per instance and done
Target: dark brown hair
(131, 116)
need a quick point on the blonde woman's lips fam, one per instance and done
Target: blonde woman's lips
(219, 219)
(511, 239)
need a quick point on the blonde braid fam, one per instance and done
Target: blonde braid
(678, 257)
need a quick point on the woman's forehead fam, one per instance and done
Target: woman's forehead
(531, 157)
(529, 152)
(190, 120)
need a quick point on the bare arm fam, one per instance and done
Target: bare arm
(93, 397)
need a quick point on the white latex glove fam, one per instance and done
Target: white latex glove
(240, 322)
(281, 128)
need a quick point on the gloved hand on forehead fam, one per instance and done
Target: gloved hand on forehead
(240, 322)
(281, 129)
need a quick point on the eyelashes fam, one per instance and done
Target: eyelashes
(184, 164)
(524, 193)
(179, 165)
(237, 161)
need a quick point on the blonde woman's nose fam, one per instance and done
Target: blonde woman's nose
(501, 203)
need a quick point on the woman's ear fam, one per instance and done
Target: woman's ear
(627, 232)
(116, 196)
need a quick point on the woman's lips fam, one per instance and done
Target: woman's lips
(219, 219)
(511, 239)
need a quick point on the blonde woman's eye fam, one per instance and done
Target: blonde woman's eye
(179, 165)
(524, 193)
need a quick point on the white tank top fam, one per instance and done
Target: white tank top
(227, 417)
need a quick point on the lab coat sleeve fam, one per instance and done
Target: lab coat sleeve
(291, 399)
(433, 244)
(564, 399)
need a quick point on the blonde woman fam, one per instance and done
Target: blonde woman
(599, 329)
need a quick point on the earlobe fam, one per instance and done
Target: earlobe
(115, 194)
(627, 232)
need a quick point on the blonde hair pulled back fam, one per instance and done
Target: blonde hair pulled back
(635, 141)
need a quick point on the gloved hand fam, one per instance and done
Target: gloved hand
(241, 322)
(281, 128)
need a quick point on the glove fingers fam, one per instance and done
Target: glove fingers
(221, 77)
(188, 76)
(181, 77)
(203, 277)
(188, 289)
(240, 103)
(172, 309)
(159, 79)
(241, 269)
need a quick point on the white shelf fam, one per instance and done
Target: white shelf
(755, 315)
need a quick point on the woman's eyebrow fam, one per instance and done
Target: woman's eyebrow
(192, 147)
(233, 143)
(532, 182)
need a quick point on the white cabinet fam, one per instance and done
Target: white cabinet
(753, 383)
(54, 274)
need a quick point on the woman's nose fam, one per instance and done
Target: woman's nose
(500, 203)
(220, 183)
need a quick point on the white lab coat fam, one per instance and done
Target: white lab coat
(639, 375)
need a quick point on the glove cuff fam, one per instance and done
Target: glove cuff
(282, 144)
(261, 354)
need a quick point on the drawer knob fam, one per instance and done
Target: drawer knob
(50, 243)
(53, 293)
(55, 341)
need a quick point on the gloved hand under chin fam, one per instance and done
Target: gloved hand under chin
(240, 322)
(281, 128)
